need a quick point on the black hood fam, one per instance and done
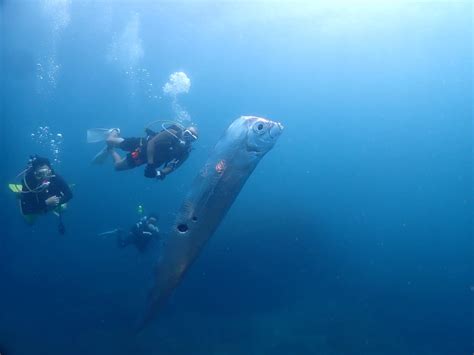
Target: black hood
(40, 161)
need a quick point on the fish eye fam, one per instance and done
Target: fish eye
(259, 127)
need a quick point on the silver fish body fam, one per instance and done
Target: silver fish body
(213, 191)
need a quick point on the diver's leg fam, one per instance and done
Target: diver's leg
(142, 244)
(116, 157)
(101, 156)
(114, 141)
(120, 163)
(126, 144)
(123, 239)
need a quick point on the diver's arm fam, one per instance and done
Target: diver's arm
(151, 146)
(174, 164)
(169, 167)
(64, 188)
(153, 230)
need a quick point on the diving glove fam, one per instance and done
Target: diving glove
(150, 171)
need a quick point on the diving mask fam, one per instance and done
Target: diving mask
(43, 173)
(188, 135)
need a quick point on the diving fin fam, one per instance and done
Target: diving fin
(96, 135)
(111, 233)
(101, 157)
(16, 188)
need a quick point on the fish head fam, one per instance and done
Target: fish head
(262, 133)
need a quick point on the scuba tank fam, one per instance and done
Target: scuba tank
(168, 126)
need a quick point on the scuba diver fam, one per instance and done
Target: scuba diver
(168, 148)
(42, 190)
(140, 234)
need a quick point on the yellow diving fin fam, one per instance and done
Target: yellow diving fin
(16, 188)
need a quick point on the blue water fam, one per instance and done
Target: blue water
(352, 236)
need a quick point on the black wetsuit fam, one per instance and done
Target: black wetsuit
(170, 150)
(34, 202)
(136, 146)
(139, 235)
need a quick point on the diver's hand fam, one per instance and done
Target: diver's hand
(52, 201)
(150, 171)
(153, 228)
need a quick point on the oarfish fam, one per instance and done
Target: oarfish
(211, 195)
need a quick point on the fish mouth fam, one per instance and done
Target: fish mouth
(276, 130)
